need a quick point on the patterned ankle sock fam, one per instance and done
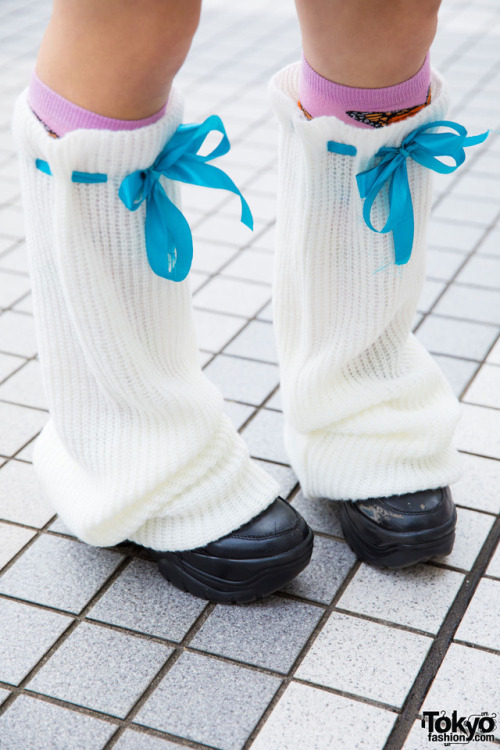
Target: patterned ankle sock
(59, 116)
(363, 108)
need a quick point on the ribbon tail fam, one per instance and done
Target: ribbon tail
(169, 243)
(475, 140)
(402, 223)
(195, 172)
(403, 235)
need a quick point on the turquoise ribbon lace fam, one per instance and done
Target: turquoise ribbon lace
(424, 148)
(169, 243)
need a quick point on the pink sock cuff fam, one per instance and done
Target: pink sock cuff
(62, 116)
(406, 94)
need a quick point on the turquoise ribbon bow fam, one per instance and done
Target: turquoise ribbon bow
(169, 243)
(424, 148)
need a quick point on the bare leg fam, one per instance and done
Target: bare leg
(367, 43)
(114, 60)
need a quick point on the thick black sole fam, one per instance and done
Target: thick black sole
(388, 549)
(273, 574)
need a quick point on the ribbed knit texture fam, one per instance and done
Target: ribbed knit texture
(367, 410)
(62, 116)
(137, 445)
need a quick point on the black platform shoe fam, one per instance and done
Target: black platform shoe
(400, 530)
(251, 562)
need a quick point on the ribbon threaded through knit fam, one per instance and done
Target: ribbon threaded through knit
(424, 148)
(169, 242)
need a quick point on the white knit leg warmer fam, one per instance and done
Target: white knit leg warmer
(367, 410)
(137, 445)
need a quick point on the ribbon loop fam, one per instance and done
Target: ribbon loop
(169, 243)
(426, 149)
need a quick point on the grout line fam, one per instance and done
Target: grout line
(301, 656)
(439, 648)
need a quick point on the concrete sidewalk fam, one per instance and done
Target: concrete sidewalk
(96, 649)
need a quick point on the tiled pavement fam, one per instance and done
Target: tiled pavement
(96, 650)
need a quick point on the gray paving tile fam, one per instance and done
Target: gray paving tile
(470, 303)
(196, 280)
(135, 740)
(478, 487)
(430, 292)
(101, 669)
(481, 271)
(20, 496)
(490, 244)
(264, 436)
(209, 257)
(27, 633)
(18, 424)
(330, 563)
(11, 221)
(17, 334)
(59, 526)
(268, 634)
(252, 265)
(460, 338)
(365, 658)
(485, 388)
(215, 330)
(226, 230)
(419, 596)
(471, 533)
(467, 209)
(59, 573)
(494, 566)
(238, 413)
(12, 539)
(26, 454)
(265, 240)
(8, 364)
(6, 243)
(478, 431)
(141, 599)
(481, 622)
(306, 717)
(452, 235)
(442, 264)
(321, 514)
(209, 701)
(283, 475)
(256, 341)
(458, 372)
(242, 379)
(467, 682)
(235, 297)
(266, 314)
(275, 402)
(25, 305)
(32, 723)
(494, 356)
(15, 259)
(13, 286)
(4, 694)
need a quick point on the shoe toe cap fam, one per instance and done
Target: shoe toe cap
(278, 528)
(409, 512)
